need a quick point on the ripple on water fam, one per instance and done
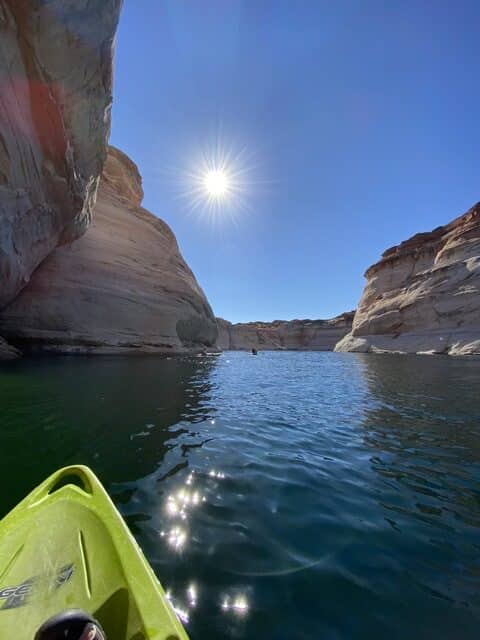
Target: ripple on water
(292, 495)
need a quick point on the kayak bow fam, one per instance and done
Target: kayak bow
(66, 546)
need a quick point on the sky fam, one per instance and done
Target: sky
(355, 125)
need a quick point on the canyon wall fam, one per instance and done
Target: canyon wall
(55, 99)
(118, 284)
(297, 335)
(122, 287)
(7, 352)
(423, 296)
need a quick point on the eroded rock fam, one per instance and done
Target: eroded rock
(297, 335)
(123, 287)
(423, 296)
(55, 99)
(7, 352)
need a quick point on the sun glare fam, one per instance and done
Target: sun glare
(219, 182)
(216, 183)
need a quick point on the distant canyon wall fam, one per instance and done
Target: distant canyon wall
(423, 296)
(297, 335)
(120, 284)
(121, 288)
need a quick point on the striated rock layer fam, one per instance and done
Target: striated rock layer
(298, 335)
(423, 296)
(122, 287)
(7, 352)
(55, 98)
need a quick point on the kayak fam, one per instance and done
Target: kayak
(64, 547)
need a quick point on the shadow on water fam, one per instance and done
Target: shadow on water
(120, 416)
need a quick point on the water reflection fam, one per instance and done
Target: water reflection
(272, 495)
(121, 416)
(180, 507)
(425, 429)
(181, 613)
(176, 537)
(237, 604)
(216, 474)
(424, 434)
(135, 422)
(192, 595)
(177, 506)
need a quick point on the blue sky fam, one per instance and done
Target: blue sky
(359, 121)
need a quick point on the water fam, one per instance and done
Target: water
(288, 495)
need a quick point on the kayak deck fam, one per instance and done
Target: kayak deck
(66, 546)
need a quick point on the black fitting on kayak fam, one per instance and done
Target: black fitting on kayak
(71, 625)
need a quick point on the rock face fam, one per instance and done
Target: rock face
(55, 98)
(423, 296)
(297, 335)
(7, 352)
(122, 287)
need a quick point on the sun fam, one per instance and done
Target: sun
(216, 183)
(219, 180)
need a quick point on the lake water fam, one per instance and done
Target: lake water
(283, 496)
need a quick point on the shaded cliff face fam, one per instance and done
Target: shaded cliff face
(55, 98)
(7, 352)
(424, 294)
(298, 335)
(122, 287)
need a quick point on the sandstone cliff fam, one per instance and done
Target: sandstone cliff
(298, 335)
(55, 98)
(7, 352)
(122, 287)
(423, 296)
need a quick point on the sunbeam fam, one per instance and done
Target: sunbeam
(219, 184)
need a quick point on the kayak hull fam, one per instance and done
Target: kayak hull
(66, 546)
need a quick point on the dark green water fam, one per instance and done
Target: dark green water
(333, 496)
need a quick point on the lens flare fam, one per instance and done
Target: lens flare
(219, 183)
(216, 183)
(218, 188)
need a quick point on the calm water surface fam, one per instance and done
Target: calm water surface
(289, 495)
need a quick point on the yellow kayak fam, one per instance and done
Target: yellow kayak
(65, 547)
